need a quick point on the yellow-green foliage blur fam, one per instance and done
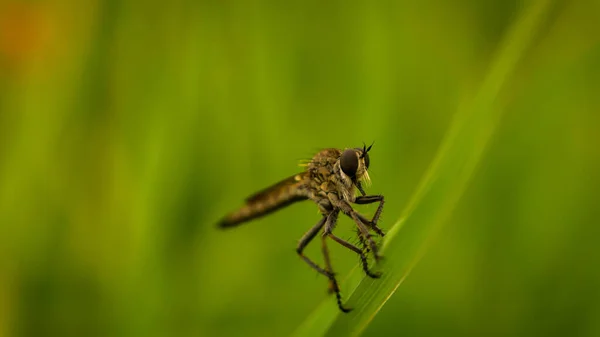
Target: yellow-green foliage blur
(128, 128)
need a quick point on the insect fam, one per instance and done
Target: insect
(330, 180)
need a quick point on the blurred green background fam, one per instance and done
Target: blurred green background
(128, 128)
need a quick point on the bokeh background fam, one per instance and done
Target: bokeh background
(128, 128)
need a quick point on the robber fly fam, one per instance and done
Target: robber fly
(330, 180)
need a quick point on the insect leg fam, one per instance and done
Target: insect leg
(364, 231)
(368, 199)
(332, 280)
(306, 239)
(329, 226)
(374, 227)
(363, 257)
(360, 188)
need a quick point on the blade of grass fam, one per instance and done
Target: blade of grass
(437, 195)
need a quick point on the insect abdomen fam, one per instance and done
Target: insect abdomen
(255, 210)
(267, 201)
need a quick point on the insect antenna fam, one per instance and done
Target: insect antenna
(366, 149)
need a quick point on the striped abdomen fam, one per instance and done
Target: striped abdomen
(268, 200)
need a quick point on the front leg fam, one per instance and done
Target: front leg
(369, 199)
(358, 219)
(360, 188)
(328, 231)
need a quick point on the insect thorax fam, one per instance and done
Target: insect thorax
(327, 177)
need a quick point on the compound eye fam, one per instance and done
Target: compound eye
(349, 162)
(367, 161)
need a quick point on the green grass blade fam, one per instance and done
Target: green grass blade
(437, 195)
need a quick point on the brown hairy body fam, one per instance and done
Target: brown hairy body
(330, 180)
